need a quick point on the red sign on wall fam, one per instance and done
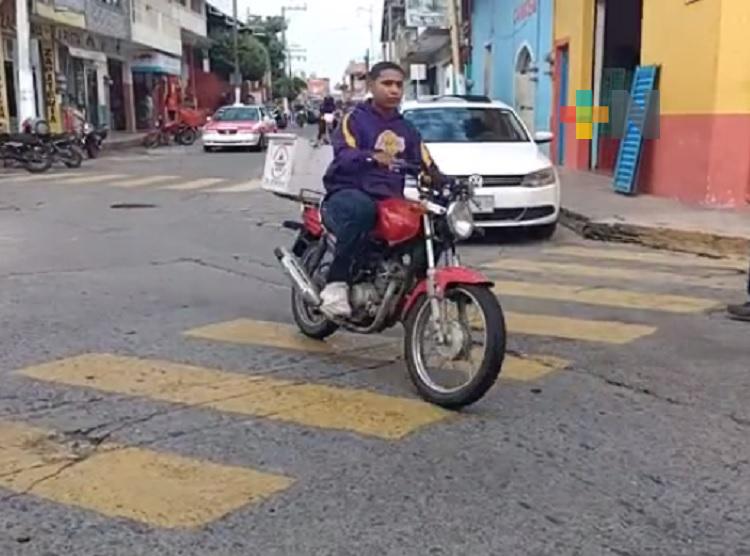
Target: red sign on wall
(525, 10)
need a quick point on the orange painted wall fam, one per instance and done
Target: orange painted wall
(702, 48)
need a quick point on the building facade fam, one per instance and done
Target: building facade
(700, 47)
(100, 56)
(511, 59)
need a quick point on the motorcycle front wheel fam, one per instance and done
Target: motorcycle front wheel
(73, 157)
(459, 370)
(187, 136)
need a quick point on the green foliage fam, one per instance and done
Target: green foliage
(253, 58)
(288, 88)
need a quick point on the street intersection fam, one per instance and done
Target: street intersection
(157, 399)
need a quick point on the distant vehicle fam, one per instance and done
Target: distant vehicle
(516, 184)
(238, 126)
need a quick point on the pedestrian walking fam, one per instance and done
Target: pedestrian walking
(741, 311)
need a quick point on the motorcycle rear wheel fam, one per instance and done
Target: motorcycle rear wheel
(418, 325)
(311, 322)
(37, 160)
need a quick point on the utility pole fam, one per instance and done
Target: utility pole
(285, 9)
(390, 48)
(26, 100)
(237, 74)
(455, 45)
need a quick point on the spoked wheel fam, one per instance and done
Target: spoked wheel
(311, 322)
(460, 370)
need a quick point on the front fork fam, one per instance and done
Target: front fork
(438, 306)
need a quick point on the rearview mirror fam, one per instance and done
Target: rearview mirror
(543, 136)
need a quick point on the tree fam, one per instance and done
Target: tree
(288, 88)
(253, 57)
(269, 31)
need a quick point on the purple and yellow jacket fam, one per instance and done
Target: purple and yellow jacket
(363, 132)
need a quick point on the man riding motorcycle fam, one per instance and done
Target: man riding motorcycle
(369, 146)
(328, 106)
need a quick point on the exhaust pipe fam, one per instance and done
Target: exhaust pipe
(293, 269)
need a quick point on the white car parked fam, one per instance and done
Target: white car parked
(469, 136)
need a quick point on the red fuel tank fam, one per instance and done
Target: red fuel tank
(399, 220)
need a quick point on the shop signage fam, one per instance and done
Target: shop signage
(47, 47)
(524, 11)
(426, 13)
(77, 38)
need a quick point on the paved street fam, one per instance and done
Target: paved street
(156, 399)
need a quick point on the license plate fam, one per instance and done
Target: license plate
(483, 204)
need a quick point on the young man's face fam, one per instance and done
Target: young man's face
(388, 89)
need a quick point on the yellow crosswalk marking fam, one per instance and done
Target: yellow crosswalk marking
(194, 184)
(343, 345)
(253, 185)
(615, 273)
(609, 332)
(313, 405)
(605, 296)
(662, 258)
(155, 488)
(102, 179)
(144, 180)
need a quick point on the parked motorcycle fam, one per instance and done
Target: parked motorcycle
(448, 311)
(64, 149)
(166, 132)
(25, 149)
(92, 138)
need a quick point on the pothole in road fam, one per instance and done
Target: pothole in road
(132, 206)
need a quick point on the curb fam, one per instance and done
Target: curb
(686, 241)
(122, 144)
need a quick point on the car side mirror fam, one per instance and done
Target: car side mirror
(542, 137)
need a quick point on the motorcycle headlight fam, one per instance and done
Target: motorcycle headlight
(88, 128)
(460, 219)
(540, 178)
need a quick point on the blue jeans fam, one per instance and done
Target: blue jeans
(350, 214)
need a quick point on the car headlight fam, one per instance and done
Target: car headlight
(460, 219)
(540, 178)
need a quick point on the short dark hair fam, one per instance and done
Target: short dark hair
(380, 67)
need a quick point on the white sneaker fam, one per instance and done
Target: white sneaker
(335, 298)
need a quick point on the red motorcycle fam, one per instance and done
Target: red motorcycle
(454, 341)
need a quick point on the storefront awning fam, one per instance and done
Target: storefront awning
(156, 62)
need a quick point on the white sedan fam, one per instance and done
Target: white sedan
(520, 186)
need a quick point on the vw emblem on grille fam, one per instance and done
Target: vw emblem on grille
(476, 181)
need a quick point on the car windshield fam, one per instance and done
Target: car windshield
(237, 114)
(467, 125)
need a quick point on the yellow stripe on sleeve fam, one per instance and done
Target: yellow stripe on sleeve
(348, 136)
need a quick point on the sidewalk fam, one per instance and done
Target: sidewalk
(118, 140)
(594, 210)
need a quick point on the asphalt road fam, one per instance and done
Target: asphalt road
(156, 400)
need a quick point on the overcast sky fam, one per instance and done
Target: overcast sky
(332, 31)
